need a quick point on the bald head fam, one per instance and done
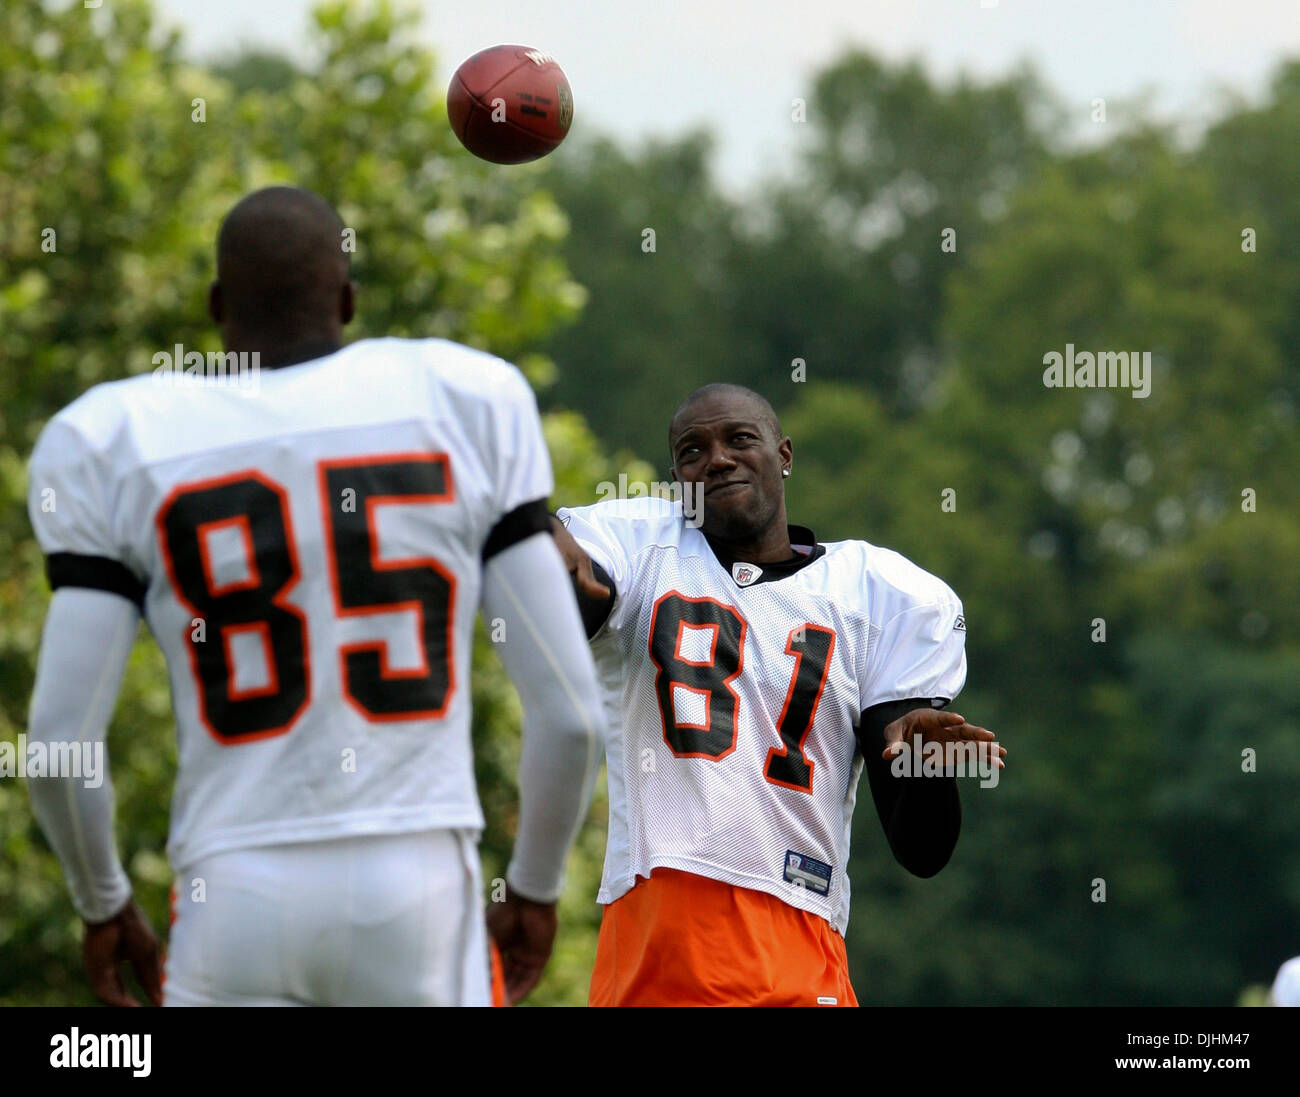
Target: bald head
(726, 442)
(738, 397)
(282, 274)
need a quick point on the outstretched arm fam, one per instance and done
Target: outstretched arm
(921, 816)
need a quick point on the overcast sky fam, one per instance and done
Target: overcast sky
(658, 67)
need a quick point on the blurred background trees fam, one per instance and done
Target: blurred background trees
(922, 373)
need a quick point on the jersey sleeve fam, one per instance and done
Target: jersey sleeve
(522, 477)
(599, 533)
(919, 650)
(68, 489)
(612, 533)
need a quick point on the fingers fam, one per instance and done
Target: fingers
(112, 993)
(919, 721)
(107, 985)
(971, 731)
(141, 945)
(586, 581)
(127, 938)
(99, 953)
(522, 964)
(525, 934)
(536, 938)
(953, 727)
(989, 750)
(523, 973)
(148, 969)
(923, 726)
(591, 588)
(577, 563)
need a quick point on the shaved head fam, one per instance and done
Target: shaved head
(281, 264)
(736, 395)
(725, 441)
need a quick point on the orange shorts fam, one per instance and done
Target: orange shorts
(677, 939)
(498, 974)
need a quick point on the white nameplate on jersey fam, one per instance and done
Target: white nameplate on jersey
(807, 872)
(744, 574)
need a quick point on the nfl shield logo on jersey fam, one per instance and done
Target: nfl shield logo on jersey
(744, 574)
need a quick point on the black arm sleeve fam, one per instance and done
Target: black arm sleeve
(595, 611)
(71, 569)
(523, 521)
(921, 816)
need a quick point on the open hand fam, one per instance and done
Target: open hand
(929, 725)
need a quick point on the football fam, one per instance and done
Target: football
(510, 104)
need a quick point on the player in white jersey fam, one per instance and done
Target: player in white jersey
(310, 555)
(750, 672)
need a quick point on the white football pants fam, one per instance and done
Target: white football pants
(392, 919)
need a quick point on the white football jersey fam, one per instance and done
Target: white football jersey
(732, 696)
(308, 556)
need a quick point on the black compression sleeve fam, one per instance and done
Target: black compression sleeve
(921, 816)
(596, 611)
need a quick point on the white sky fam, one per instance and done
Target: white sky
(658, 67)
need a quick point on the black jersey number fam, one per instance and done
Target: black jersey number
(258, 509)
(365, 584)
(715, 659)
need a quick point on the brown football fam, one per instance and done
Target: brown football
(510, 104)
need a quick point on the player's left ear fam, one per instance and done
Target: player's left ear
(347, 302)
(216, 307)
(786, 449)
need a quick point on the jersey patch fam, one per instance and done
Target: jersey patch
(744, 574)
(807, 872)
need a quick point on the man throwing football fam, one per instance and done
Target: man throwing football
(750, 674)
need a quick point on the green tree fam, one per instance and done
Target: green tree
(1071, 507)
(654, 327)
(1254, 161)
(837, 267)
(847, 267)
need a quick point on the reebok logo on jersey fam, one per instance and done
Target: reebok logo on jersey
(960, 624)
(744, 574)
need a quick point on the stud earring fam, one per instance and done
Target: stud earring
(785, 472)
